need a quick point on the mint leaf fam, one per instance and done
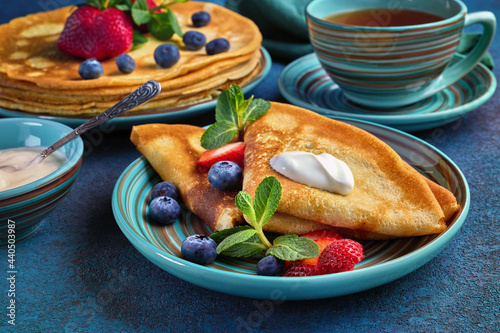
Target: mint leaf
(220, 235)
(257, 108)
(248, 248)
(174, 2)
(174, 23)
(293, 247)
(140, 12)
(267, 198)
(138, 39)
(244, 107)
(123, 5)
(237, 98)
(95, 3)
(233, 108)
(218, 134)
(160, 26)
(224, 109)
(244, 203)
(235, 238)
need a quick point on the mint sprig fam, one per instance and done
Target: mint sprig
(162, 25)
(245, 241)
(233, 113)
(103, 4)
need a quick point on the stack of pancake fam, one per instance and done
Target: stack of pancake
(36, 77)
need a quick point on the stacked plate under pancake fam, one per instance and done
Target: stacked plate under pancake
(36, 77)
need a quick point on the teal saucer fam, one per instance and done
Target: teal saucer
(305, 83)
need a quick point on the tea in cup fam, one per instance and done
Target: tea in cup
(391, 53)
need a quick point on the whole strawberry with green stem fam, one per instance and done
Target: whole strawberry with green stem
(97, 30)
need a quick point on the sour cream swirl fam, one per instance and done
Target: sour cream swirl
(323, 171)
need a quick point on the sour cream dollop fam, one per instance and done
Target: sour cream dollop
(323, 171)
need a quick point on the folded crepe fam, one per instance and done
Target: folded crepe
(390, 199)
(173, 151)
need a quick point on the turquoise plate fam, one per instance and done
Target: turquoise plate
(384, 261)
(165, 116)
(305, 83)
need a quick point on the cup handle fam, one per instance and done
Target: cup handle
(455, 72)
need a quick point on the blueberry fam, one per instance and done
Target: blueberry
(270, 266)
(194, 40)
(125, 63)
(200, 19)
(90, 69)
(225, 176)
(164, 189)
(218, 45)
(164, 210)
(199, 249)
(166, 55)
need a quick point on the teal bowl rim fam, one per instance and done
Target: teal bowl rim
(461, 13)
(369, 277)
(70, 163)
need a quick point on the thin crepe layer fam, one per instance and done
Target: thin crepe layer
(204, 91)
(223, 69)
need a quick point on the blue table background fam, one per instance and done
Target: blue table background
(79, 273)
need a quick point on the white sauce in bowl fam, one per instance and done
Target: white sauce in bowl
(22, 156)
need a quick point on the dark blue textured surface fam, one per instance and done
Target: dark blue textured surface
(79, 273)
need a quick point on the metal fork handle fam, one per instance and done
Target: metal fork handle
(141, 95)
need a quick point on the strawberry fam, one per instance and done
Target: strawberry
(92, 33)
(335, 255)
(233, 152)
(339, 256)
(321, 234)
(322, 244)
(296, 268)
(307, 267)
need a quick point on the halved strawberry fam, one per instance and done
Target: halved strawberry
(307, 267)
(335, 255)
(233, 152)
(322, 244)
(297, 268)
(339, 256)
(322, 234)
